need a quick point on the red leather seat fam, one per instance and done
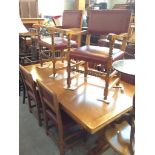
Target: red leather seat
(59, 43)
(95, 54)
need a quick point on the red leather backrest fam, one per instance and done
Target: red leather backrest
(108, 21)
(72, 19)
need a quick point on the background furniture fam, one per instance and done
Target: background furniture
(28, 8)
(126, 68)
(28, 22)
(28, 46)
(121, 136)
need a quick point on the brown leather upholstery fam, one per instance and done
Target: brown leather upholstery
(96, 54)
(32, 92)
(104, 22)
(62, 122)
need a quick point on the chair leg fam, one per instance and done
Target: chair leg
(29, 102)
(46, 124)
(24, 94)
(39, 115)
(86, 69)
(68, 76)
(62, 55)
(61, 146)
(106, 85)
(54, 68)
(19, 88)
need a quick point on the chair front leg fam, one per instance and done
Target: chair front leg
(54, 68)
(107, 78)
(24, 94)
(68, 73)
(29, 102)
(109, 66)
(86, 69)
(62, 55)
(61, 146)
(39, 113)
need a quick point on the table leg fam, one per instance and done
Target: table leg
(101, 145)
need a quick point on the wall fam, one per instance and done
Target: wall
(113, 2)
(48, 7)
(69, 4)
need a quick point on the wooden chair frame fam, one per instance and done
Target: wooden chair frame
(65, 30)
(53, 112)
(32, 92)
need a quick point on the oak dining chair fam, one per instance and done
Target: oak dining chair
(69, 132)
(32, 93)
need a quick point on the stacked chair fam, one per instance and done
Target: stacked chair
(102, 22)
(62, 38)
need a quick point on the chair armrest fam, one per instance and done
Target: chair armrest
(77, 32)
(56, 29)
(71, 31)
(37, 26)
(123, 35)
(117, 36)
(28, 34)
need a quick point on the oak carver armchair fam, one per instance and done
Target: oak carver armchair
(102, 22)
(71, 22)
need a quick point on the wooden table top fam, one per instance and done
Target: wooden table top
(126, 66)
(82, 104)
(32, 20)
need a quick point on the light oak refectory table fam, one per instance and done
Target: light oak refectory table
(82, 104)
